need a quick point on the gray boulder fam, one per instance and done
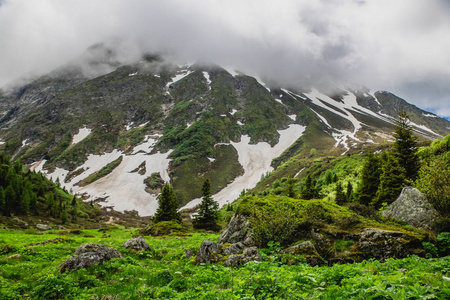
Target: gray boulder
(207, 253)
(307, 251)
(88, 255)
(382, 244)
(249, 254)
(43, 227)
(138, 244)
(237, 230)
(413, 208)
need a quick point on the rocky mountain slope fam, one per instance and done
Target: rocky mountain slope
(118, 132)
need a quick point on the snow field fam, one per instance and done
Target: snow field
(256, 160)
(81, 135)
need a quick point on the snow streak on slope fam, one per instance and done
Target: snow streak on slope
(178, 77)
(256, 160)
(122, 188)
(208, 79)
(81, 135)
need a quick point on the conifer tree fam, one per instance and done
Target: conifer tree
(349, 192)
(392, 180)
(208, 213)
(405, 146)
(340, 196)
(168, 206)
(309, 190)
(9, 200)
(289, 187)
(2, 200)
(370, 179)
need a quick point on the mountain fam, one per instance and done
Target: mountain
(115, 132)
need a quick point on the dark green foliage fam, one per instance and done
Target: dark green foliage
(340, 195)
(370, 179)
(207, 216)
(309, 190)
(392, 181)
(405, 147)
(349, 192)
(434, 181)
(289, 187)
(443, 242)
(168, 206)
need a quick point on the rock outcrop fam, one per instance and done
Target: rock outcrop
(382, 244)
(88, 255)
(43, 227)
(138, 244)
(233, 255)
(307, 251)
(413, 208)
(237, 230)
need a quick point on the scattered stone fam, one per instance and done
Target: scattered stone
(138, 244)
(237, 230)
(88, 255)
(413, 208)
(55, 240)
(207, 253)
(2, 227)
(43, 227)
(249, 254)
(188, 254)
(14, 256)
(403, 271)
(21, 223)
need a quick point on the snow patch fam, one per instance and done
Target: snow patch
(279, 101)
(260, 81)
(81, 135)
(321, 118)
(179, 76)
(256, 161)
(146, 146)
(37, 166)
(211, 159)
(129, 126)
(157, 76)
(298, 173)
(429, 115)
(231, 71)
(223, 115)
(133, 74)
(208, 79)
(233, 112)
(293, 117)
(240, 123)
(24, 143)
(143, 124)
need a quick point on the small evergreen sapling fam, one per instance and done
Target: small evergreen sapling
(208, 213)
(168, 206)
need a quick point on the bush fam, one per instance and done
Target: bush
(164, 228)
(434, 182)
(443, 242)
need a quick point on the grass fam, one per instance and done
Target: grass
(101, 173)
(165, 273)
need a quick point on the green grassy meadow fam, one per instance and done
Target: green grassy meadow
(165, 272)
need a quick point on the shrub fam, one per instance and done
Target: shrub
(443, 241)
(164, 228)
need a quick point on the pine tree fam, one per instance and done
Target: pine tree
(168, 206)
(340, 196)
(405, 146)
(9, 200)
(63, 215)
(349, 192)
(289, 187)
(309, 190)
(370, 179)
(208, 213)
(2, 200)
(392, 181)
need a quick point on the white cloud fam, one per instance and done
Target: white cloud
(383, 44)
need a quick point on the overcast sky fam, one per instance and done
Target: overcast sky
(402, 46)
